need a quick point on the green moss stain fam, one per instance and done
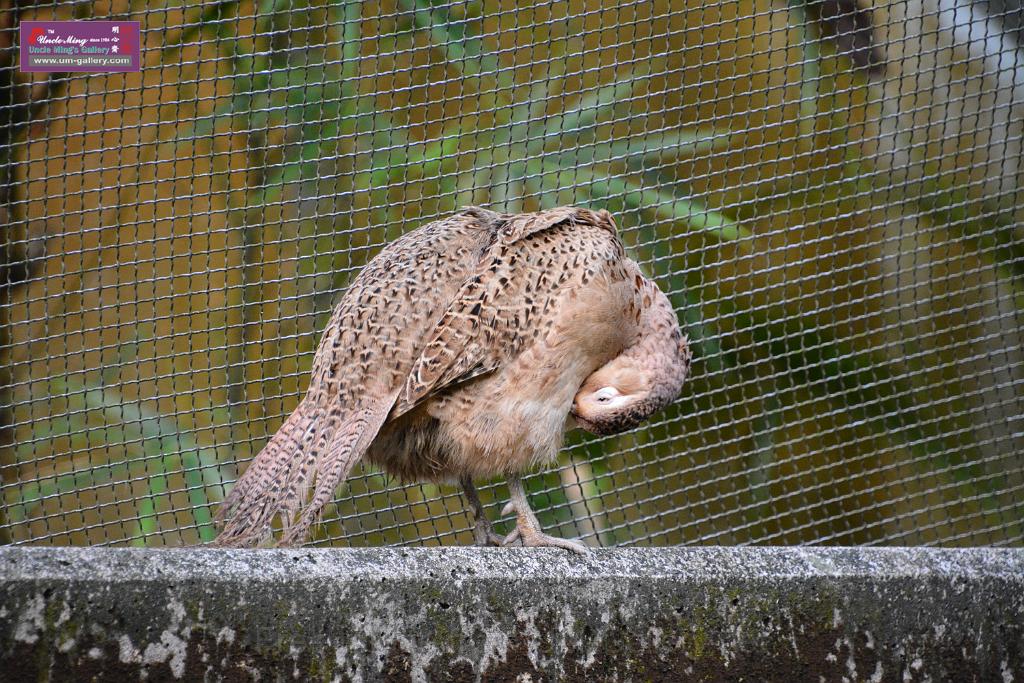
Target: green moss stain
(700, 638)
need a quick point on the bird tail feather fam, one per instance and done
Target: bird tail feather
(314, 449)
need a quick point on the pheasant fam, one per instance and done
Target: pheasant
(464, 351)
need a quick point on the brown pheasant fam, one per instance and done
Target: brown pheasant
(464, 351)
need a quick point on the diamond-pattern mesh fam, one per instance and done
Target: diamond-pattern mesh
(830, 195)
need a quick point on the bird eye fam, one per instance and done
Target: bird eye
(606, 394)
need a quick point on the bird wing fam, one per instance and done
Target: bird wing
(361, 363)
(486, 321)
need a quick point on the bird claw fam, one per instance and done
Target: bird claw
(483, 534)
(531, 538)
(511, 538)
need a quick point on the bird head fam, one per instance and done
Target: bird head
(625, 392)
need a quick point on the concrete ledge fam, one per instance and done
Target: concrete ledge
(464, 614)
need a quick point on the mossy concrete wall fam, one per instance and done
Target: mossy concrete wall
(464, 614)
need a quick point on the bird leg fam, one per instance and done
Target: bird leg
(527, 527)
(483, 532)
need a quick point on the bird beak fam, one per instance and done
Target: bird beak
(581, 422)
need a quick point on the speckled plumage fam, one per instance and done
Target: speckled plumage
(456, 355)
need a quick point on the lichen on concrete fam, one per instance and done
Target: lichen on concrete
(466, 614)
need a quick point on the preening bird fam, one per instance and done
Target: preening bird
(464, 351)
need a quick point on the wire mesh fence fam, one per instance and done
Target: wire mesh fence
(830, 195)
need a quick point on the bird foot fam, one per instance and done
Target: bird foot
(527, 529)
(533, 538)
(483, 534)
